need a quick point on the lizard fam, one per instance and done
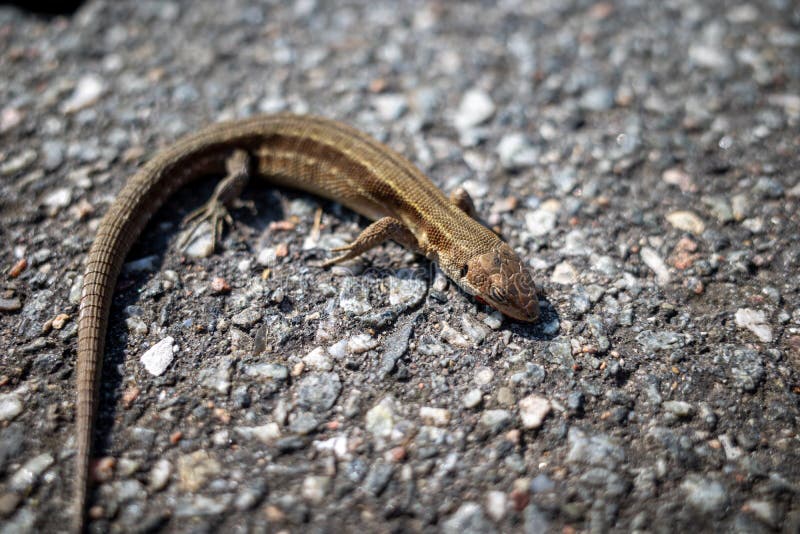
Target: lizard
(317, 155)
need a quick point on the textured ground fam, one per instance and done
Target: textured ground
(641, 155)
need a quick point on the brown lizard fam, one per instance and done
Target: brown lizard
(320, 156)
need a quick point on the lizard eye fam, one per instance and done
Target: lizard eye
(498, 294)
(464, 270)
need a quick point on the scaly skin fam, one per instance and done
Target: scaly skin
(312, 154)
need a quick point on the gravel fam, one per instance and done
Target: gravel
(640, 156)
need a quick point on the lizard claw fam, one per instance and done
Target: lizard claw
(213, 212)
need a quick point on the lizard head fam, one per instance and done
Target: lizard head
(499, 279)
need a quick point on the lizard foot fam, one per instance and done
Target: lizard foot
(226, 195)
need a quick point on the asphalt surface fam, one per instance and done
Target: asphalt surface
(641, 156)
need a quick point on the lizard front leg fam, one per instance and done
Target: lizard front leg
(373, 235)
(463, 201)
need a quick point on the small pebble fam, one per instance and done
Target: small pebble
(87, 92)
(495, 420)
(434, 416)
(515, 152)
(247, 318)
(361, 343)
(28, 475)
(270, 371)
(756, 322)
(10, 304)
(18, 267)
(159, 475)
(9, 118)
(196, 469)
(220, 285)
(390, 107)
(267, 433)
(267, 257)
(686, 221)
(318, 391)
(380, 419)
(483, 376)
(406, 288)
(159, 356)
(532, 410)
(679, 408)
(541, 222)
(496, 504)
(318, 360)
(472, 398)
(455, 338)
(476, 107)
(764, 511)
(58, 199)
(679, 178)
(10, 406)
(707, 496)
(597, 99)
(468, 519)
(565, 274)
(652, 259)
(315, 488)
(201, 241)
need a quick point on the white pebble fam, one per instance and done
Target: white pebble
(159, 356)
(390, 106)
(265, 433)
(564, 274)
(532, 410)
(267, 257)
(686, 221)
(201, 241)
(361, 343)
(406, 288)
(315, 487)
(60, 198)
(434, 416)
(318, 360)
(476, 107)
(10, 406)
(475, 331)
(339, 349)
(483, 376)
(159, 475)
(540, 222)
(380, 419)
(86, 93)
(337, 445)
(651, 258)
(455, 338)
(473, 398)
(756, 322)
(494, 320)
(496, 504)
(27, 475)
(516, 151)
(136, 326)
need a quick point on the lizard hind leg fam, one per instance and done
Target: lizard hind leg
(225, 196)
(373, 235)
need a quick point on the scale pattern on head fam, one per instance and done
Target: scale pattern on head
(501, 280)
